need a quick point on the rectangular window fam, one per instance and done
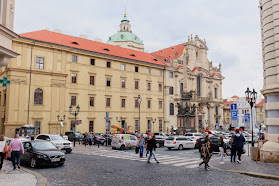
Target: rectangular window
(136, 125)
(74, 59)
(148, 103)
(160, 104)
(170, 74)
(123, 83)
(74, 78)
(136, 103)
(149, 125)
(123, 103)
(160, 87)
(148, 71)
(136, 85)
(108, 82)
(136, 69)
(37, 127)
(91, 102)
(216, 110)
(160, 72)
(148, 86)
(92, 78)
(108, 64)
(92, 62)
(40, 63)
(215, 92)
(91, 126)
(73, 100)
(107, 102)
(160, 125)
(261, 109)
(123, 67)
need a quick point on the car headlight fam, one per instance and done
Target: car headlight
(63, 156)
(41, 156)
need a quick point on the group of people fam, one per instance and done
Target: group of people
(16, 149)
(88, 139)
(236, 146)
(150, 145)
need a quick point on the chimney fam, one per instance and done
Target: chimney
(98, 40)
(57, 30)
(83, 36)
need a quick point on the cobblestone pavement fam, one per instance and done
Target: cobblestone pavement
(10, 177)
(101, 167)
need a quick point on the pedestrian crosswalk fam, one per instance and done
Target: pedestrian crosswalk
(178, 161)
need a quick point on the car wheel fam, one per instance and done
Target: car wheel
(122, 147)
(60, 164)
(169, 148)
(33, 163)
(180, 147)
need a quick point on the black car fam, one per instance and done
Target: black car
(70, 134)
(214, 146)
(41, 152)
(160, 141)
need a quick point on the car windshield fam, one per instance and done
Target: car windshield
(189, 134)
(43, 146)
(170, 138)
(56, 137)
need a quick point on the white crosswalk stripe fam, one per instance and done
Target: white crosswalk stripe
(177, 161)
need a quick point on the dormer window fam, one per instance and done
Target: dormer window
(106, 49)
(75, 43)
(133, 55)
(155, 60)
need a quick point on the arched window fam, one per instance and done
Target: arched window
(37, 127)
(171, 109)
(199, 85)
(215, 92)
(38, 97)
(171, 91)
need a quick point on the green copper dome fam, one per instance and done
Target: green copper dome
(125, 36)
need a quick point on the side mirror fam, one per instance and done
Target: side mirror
(48, 139)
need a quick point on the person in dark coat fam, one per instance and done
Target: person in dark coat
(233, 149)
(85, 139)
(239, 141)
(151, 146)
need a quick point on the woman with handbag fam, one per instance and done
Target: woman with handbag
(3, 150)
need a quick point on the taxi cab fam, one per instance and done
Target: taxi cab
(122, 141)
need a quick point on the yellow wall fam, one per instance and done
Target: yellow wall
(55, 81)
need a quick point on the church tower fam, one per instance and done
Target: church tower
(125, 38)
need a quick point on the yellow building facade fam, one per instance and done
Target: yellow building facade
(54, 71)
(260, 112)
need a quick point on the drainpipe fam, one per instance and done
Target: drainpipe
(30, 75)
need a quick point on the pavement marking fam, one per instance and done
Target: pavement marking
(188, 163)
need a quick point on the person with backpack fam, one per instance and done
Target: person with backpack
(221, 149)
(205, 153)
(239, 141)
(233, 148)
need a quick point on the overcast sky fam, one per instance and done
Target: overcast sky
(230, 27)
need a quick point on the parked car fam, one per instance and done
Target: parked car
(214, 144)
(194, 136)
(179, 142)
(165, 135)
(57, 140)
(99, 140)
(160, 140)
(70, 134)
(123, 141)
(40, 152)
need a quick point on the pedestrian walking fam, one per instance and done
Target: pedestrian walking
(16, 146)
(146, 143)
(151, 146)
(221, 149)
(90, 139)
(233, 149)
(205, 154)
(3, 150)
(239, 141)
(85, 139)
(140, 145)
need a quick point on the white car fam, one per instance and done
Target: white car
(194, 136)
(123, 141)
(179, 142)
(57, 140)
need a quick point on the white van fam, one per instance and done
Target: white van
(123, 141)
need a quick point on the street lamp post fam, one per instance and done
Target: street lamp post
(153, 122)
(74, 114)
(251, 97)
(61, 120)
(139, 102)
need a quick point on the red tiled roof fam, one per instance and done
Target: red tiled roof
(89, 45)
(235, 97)
(228, 103)
(170, 51)
(164, 59)
(194, 69)
(179, 66)
(260, 104)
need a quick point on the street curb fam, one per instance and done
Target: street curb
(41, 181)
(254, 174)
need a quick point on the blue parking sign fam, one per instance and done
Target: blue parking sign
(234, 115)
(247, 118)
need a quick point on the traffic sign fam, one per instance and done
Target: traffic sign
(107, 117)
(247, 118)
(5, 81)
(233, 106)
(217, 124)
(234, 115)
(234, 123)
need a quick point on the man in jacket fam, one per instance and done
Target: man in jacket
(16, 146)
(239, 141)
(140, 145)
(151, 147)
